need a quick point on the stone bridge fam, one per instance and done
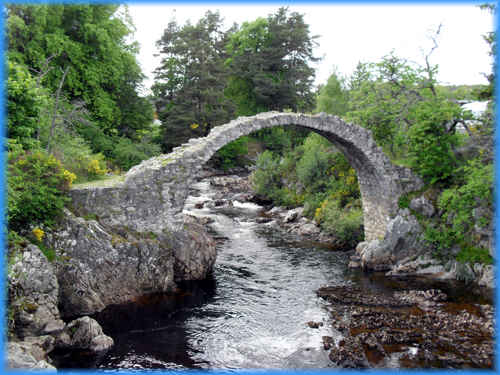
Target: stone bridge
(153, 192)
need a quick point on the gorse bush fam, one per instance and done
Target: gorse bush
(37, 186)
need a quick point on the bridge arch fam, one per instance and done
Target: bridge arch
(159, 186)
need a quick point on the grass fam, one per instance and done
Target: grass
(105, 182)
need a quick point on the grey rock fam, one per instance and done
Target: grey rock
(101, 266)
(33, 293)
(194, 251)
(422, 206)
(26, 355)
(86, 334)
(402, 239)
(292, 215)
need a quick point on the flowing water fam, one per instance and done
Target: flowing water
(251, 313)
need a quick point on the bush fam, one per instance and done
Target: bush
(25, 103)
(232, 155)
(314, 165)
(37, 187)
(266, 178)
(77, 157)
(345, 224)
(430, 144)
(126, 153)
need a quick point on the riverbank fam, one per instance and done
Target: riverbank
(417, 322)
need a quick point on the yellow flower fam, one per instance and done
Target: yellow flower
(194, 126)
(38, 233)
(69, 176)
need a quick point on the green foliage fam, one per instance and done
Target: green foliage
(318, 177)
(333, 97)
(127, 153)
(315, 162)
(345, 224)
(430, 149)
(458, 203)
(232, 155)
(268, 60)
(473, 254)
(266, 178)
(37, 186)
(190, 82)
(92, 41)
(25, 102)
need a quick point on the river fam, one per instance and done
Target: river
(253, 312)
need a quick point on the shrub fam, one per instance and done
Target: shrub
(345, 224)
(266, 178)
(127, 153)
(430, 144)
(37, 186)
(232, 154)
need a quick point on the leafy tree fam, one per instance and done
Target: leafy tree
(191, 79)
(333, 97)
(88, 42)
(269, 64)
(25, 103)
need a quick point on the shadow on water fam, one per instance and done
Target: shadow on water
(149, 332)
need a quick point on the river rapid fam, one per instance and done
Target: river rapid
(259, 309)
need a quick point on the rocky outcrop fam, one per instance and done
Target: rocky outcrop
(36, 329)
(33, 294)
(31, 353)
(100, 266)
(401, 240)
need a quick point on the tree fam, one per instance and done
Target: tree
(91, 41)
(191, 79)
(269, 64)
(333, 97)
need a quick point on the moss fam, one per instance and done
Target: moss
(90, 217)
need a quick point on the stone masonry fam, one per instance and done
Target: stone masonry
(155, 190)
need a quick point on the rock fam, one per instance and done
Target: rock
(85, 334)
(424, 264)
(193, 250)
(278, 210)
(423, 206)
(100, 266)
(487, 277)
(327, 342)
(33, 293)
(401, 240)
(360, 247)
(293, 214)
(312, 324)
(25, 355)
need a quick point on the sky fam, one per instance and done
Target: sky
(350, 33)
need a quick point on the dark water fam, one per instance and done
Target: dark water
(252, 312)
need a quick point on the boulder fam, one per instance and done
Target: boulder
(33, 294)
(85, 334)
(423, 206)
(402, 239)
(194, 250)
(292, 215)
(27, 355)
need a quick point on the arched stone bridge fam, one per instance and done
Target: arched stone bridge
(155, 190)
